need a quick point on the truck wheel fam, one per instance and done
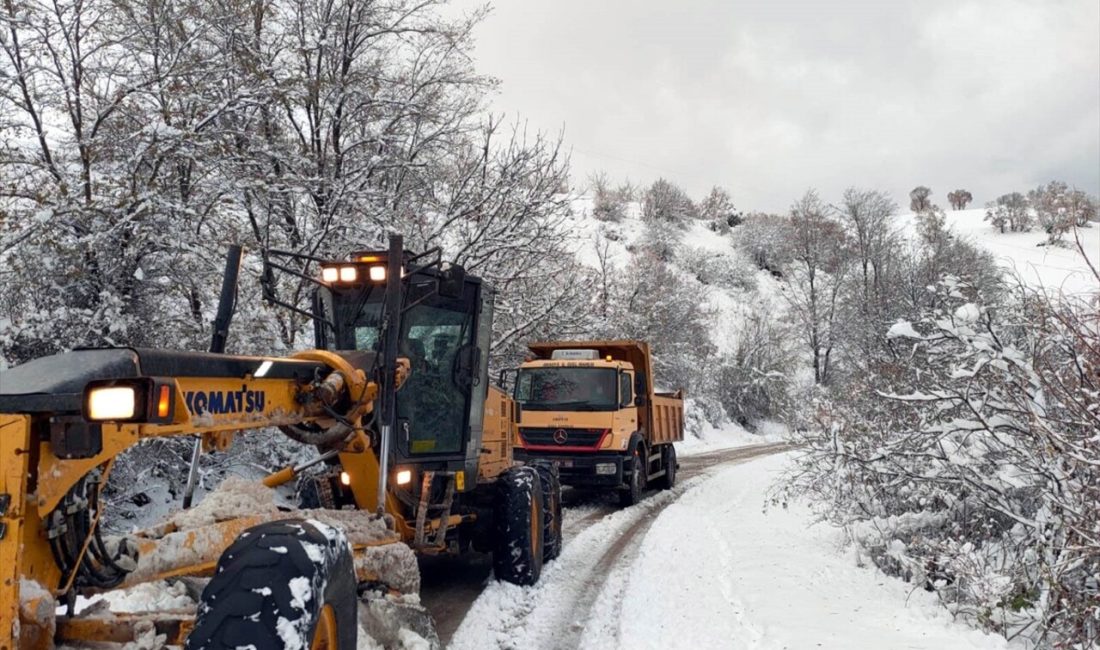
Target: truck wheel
(636, 488)
(518, 526)
(669, 479)
(551, 491)
(284, 584)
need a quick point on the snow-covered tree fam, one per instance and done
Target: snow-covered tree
(665, 201)
(820, 262)
(1052, 205)
(1009, 210)
(920, 199)
(966, 462)
(718, 211)
(959, 199)
(607, 203)
(765, 238)
(1082, 208)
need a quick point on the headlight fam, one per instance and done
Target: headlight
(605, 468)
(377, 274)
(137, 399)
(404, 477)
(112, 403)
(348, 274)
(330, 274)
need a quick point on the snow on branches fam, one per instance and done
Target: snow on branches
(971, 463)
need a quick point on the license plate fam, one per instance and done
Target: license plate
(563, 463)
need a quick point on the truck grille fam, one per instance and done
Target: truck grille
(560, 437)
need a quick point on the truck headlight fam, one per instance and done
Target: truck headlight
(605, 468)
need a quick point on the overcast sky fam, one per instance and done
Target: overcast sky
(771, 97)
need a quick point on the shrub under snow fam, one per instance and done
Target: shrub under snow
(971, 464)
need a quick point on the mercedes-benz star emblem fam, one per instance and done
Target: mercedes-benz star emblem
(560, 436)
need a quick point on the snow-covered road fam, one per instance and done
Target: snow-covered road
(706, 566)
(579, 591)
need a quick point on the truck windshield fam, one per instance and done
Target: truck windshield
(567, 389)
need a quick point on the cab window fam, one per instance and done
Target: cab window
(626, 392)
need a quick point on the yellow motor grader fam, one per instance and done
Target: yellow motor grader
(414, 455)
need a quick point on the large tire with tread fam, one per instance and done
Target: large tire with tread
(668, 454)
(518, 522)
(551, 493)
(284, 584)
(635, 489)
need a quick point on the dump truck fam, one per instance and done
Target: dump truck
(590, 409)
(413, 455)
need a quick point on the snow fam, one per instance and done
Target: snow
(1052, 267)
(756, 577)
(157, 596)
(709, 566)
(727, 436)
(902, 329)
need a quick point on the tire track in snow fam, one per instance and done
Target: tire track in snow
(563, 608)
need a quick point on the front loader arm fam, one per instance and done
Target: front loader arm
(49, 454)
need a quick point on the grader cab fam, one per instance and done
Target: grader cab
(413, 456)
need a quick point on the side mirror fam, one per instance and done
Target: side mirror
(639, 400)
(502, 377)
(517, 412)
(451, 281)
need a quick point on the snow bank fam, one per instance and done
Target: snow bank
(747, 577)
(713, 438)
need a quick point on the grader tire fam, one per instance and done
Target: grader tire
(284, 584)
(518, 522)
(551, 493)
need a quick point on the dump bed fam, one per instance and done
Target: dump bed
(667, 418)
(661, 418)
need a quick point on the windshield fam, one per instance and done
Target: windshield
(432, 405)
(567, 389)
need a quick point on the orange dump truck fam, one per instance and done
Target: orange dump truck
(589, 408)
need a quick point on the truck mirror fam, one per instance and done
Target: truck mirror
(517, 412)
(639, 400)
(451, 281)
(502, 377)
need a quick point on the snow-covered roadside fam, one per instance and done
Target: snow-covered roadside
(712, 438)
(746, 577)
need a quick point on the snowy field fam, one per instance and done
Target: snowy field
(1052, 267)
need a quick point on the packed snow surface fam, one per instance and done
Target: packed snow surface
(754, 577)
(712, 567)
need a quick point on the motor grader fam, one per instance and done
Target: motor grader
(413, 455)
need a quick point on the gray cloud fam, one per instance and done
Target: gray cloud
(768, 98)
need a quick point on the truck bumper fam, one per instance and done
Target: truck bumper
(590, 470)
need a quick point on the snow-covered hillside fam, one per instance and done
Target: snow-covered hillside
(1025, 253)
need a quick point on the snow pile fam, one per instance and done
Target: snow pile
(235, 497)
(750, 577)
(730, 434)
(150, 597)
